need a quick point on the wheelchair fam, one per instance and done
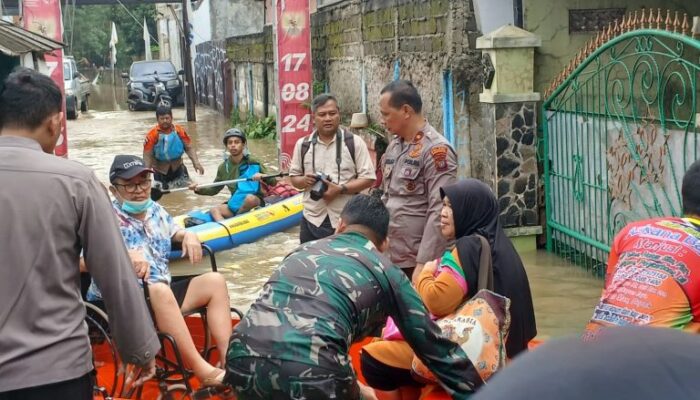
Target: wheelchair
(171, 376)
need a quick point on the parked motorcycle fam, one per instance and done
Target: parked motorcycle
(149, 97)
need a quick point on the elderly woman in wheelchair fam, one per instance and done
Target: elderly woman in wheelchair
(148, 232)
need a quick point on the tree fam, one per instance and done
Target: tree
(91, 28)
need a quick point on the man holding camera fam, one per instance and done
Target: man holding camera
(330, 165)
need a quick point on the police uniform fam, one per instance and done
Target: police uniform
(413, 175)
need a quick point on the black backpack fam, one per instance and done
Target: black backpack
(347, 138)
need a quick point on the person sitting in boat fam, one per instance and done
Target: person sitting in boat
(469, 209)
(163, 149)
(653, 268)
(148, 230)
(239, 164)
(295, 339)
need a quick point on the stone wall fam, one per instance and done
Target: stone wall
(516, 163)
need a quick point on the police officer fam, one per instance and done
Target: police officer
(417, 163)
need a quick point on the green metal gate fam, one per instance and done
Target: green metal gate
(620, 129)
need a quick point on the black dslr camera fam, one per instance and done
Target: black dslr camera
(319, 188)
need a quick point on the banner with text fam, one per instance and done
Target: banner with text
(44, 17)
(294, 75)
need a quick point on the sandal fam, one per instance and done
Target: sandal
(215, 379)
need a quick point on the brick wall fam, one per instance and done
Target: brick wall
(425, 37)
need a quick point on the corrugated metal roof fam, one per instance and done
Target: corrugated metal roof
(15, 41)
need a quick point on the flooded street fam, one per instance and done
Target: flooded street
(564, 294)
(96, 136)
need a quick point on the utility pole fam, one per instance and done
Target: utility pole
(187, 61)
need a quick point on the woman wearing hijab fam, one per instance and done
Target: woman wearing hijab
(469, 209)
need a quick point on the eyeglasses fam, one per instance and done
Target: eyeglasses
(133, 187)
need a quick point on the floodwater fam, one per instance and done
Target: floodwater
(564, 294)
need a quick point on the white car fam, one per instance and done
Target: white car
(77, 88)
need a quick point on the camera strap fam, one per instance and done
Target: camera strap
(338, 151)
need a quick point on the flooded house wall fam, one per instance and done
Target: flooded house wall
(429, 42)
(419, 39)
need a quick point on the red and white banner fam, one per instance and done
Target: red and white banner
(44, 17)
(294, 75)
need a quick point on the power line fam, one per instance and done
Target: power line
(137, 21)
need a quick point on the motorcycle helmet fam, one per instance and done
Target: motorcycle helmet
(234, 132)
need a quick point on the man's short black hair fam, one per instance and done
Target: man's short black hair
(403, 92)
(321, 100)
(27, 99)
(691, 190)
(368, 211)
(163, 110)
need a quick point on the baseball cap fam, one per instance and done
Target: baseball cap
(126, 167)
(234, 132)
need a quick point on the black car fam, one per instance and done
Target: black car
(143, 76)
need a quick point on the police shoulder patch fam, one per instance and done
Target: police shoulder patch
(439, 154)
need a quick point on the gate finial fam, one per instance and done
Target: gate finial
(676, 23)
(634, 21)
(590, 46)
(668, 20)
(685, 27)
(659, 20)
(643, 18)
(650, 20)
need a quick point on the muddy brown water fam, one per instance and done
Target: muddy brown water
(564, 294)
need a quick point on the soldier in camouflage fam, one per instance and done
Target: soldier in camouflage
(293, 343)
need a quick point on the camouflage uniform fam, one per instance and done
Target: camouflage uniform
(413, 174)
(294, 340)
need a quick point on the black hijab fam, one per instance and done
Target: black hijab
(476, 212)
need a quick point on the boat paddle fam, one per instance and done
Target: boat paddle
(157, 190)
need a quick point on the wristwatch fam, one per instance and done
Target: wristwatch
(343, 189)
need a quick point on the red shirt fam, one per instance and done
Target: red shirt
(652, 276)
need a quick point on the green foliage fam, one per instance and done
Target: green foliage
(90, 28)
(256, 128)
(382, 141)
(319, 87)
(261, 128)
(235, 118)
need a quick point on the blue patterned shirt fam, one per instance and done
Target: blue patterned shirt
(152, 237)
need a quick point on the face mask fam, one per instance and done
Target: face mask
(136, 207)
